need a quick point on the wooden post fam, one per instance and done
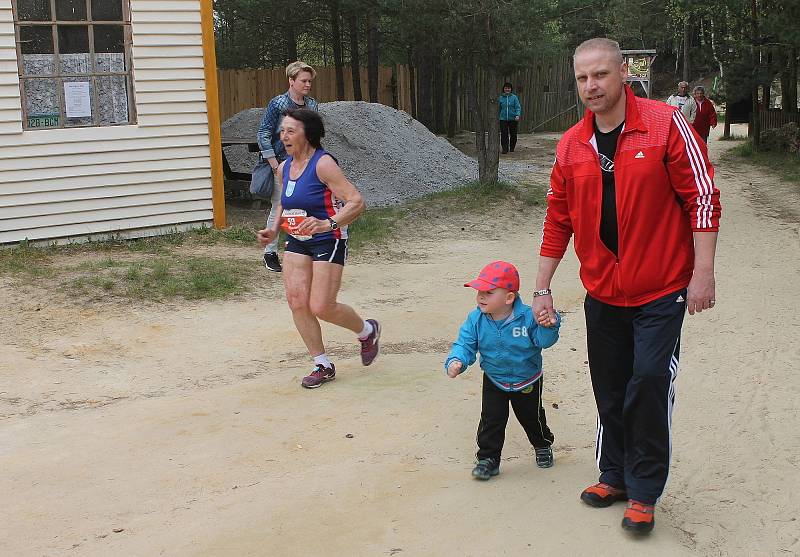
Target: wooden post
(212, 106)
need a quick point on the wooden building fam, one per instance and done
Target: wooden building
(108, 111)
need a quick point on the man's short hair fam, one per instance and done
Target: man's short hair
(683, 84)
(699, 88)
(600, 43)
(296, 67)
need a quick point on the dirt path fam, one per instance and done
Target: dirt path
(184, 428)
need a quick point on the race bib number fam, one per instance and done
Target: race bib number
(291, 219)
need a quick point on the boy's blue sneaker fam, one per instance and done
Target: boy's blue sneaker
(544, 457)
(486, 468)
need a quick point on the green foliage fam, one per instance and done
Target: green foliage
(787, 166)
(785, 139)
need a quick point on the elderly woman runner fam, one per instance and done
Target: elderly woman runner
(317, 204)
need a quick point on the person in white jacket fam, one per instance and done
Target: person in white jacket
(684, 101)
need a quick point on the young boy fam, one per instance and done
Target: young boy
(510, 341)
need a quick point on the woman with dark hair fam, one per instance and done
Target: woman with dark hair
(317, 204)
(510, 111)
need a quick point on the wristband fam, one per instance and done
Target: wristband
(545, 292)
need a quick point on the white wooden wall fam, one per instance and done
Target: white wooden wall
(125, 180)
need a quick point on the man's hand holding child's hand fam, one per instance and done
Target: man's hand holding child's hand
(454, 368)
(545, 319)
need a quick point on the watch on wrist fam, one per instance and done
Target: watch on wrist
(334, 224)
(545, 292)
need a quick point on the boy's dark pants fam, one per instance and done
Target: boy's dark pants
(633, 361)
(508, 128)
(494, 417)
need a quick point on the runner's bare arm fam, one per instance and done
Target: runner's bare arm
(331, 175)
(266, 235)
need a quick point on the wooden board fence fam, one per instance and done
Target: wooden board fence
(242, 89)
(775, 118)
(546, 91)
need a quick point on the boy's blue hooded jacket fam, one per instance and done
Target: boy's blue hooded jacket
(511, 351)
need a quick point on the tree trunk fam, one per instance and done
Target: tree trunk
(412, 79)
(476, 111)
(715, 50)
(395, 100)
(488, 175)
(756, 119)
(483, 104)
(336, 41)
(372, 53)
(438, 94)
(789, 81)
(291, 42)
(425, 90)
(686, 51)
(355, 60)
(726, 134)
(452, 120)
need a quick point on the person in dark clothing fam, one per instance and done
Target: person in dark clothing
(510, 112)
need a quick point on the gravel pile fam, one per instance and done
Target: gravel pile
(388, 155)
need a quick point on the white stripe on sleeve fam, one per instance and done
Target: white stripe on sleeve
(703, 181)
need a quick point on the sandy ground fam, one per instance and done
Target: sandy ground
(181, 429)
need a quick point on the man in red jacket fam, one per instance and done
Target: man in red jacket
(632, 182)
(706, 116)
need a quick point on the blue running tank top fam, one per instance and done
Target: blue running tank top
(311, 195)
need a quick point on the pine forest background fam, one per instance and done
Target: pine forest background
(444, 61)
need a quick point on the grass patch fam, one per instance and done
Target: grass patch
(475, 196)
(138, 269)
(732, 137)
(25, 260)
(375, 226)
(785, 165)
(163, 278)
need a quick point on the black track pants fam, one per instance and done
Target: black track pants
(494, 418)
(508, 134)
(633, 361)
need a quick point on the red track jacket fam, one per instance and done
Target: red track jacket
(664, 192)
(706, 117)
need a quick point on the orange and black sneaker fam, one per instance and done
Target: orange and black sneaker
(603, 495)
(639, 518)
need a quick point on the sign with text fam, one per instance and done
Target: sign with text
(43, 120)
(77, 99)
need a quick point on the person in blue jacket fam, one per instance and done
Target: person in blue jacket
(510, 111)
(510, 342)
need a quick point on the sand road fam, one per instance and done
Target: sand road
(181, 429)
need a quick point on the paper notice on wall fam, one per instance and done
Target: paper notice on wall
(77, 99)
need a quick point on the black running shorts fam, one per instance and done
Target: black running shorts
(331, 250)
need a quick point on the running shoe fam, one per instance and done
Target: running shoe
(485, 468)
(639, 518)
(544, 457)
(319, 376)
(271, 262)
(603, 495)
(369, 345)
